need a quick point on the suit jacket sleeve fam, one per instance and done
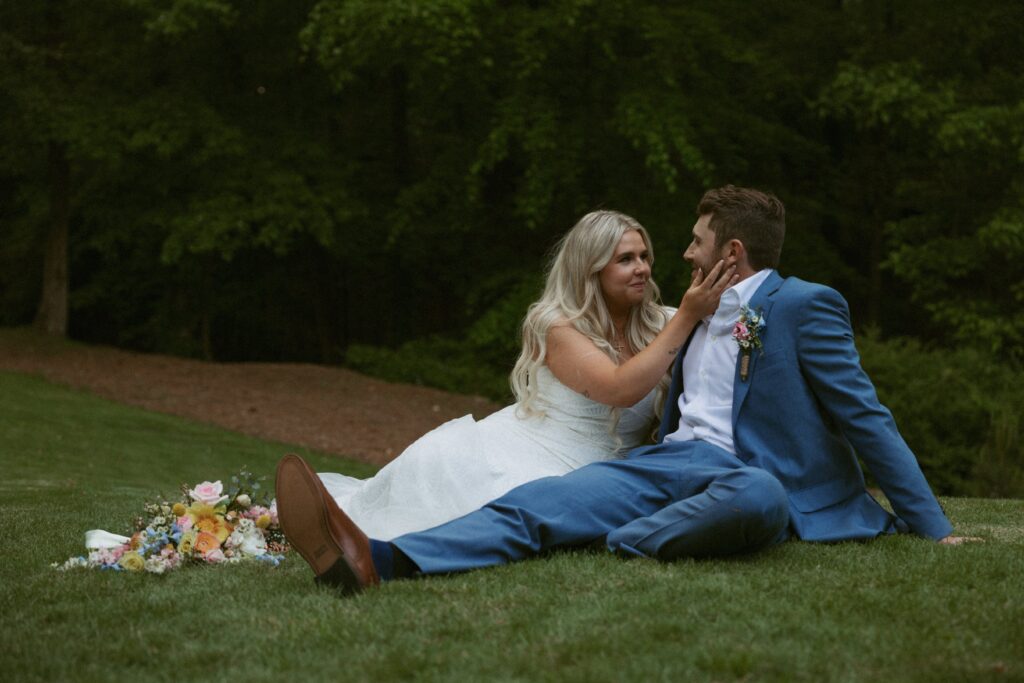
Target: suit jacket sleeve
(829, 361)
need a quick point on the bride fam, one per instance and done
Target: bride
(596, 347)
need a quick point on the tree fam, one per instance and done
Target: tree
(257, 180)
(77, 85)
(930, 139)
(143, 112)
(501, 123)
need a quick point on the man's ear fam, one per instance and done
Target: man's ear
(735, 252)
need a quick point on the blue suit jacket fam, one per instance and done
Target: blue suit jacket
(807, 409)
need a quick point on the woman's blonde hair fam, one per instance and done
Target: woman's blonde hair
(572, 293)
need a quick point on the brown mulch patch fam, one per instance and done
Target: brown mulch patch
(325, 408)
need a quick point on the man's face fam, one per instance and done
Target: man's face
(702, 252)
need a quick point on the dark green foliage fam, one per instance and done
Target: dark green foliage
(397, 156)
(927, 145)
(999, 468)
(298, 181)
(478, 363)
(435, 361)
(958, 411)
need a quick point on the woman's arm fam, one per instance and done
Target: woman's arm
(584, 368)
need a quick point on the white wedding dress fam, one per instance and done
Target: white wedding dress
(464, 464)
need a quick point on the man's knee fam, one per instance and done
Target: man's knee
(763, 500)
(748, 512)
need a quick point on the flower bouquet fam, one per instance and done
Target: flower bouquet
(205, 526)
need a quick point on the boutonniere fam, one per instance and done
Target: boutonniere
(747, 333)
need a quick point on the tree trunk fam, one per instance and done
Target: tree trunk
(401, 155)
(52, 316)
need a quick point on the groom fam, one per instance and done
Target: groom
(767, 413)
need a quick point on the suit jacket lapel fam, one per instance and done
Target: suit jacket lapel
(762, 299)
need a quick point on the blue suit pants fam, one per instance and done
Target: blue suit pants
(666, 501)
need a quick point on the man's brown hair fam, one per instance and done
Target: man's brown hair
(755, 218)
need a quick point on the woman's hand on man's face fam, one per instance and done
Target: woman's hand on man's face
(705, 290)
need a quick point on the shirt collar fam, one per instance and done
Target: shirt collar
(745, 289)
(739, 295)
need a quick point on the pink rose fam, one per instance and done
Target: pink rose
(740, 331)
(171, 557)
(209, 492)
(214, 556)
(104, 556)
(255, 511)
(185, 523)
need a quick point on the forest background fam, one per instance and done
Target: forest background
(377, 183)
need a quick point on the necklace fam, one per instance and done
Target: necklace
(618, 340)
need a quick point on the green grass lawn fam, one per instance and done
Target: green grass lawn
(895, 609)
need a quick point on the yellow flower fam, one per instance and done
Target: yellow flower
(207, 518)
(188, 540)
(263, 522)
(215, 526)
(132, 561)
(178, 509)
(198, 510)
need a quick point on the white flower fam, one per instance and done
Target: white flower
(255, 545)
(234, 540)
(71, 563)
(155, 565)
(248, 539)
(244, 500)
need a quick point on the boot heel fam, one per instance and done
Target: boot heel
(340, 576)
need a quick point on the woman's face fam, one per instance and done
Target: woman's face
(624, 279)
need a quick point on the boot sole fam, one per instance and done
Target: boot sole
(303, 518)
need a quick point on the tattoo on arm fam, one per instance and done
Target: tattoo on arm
(674, 351)
(586, 393)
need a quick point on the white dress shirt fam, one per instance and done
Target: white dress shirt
(709, 370)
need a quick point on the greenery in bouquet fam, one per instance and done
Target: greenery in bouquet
(208, 524)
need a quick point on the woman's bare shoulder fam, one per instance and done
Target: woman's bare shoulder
(562, 326)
